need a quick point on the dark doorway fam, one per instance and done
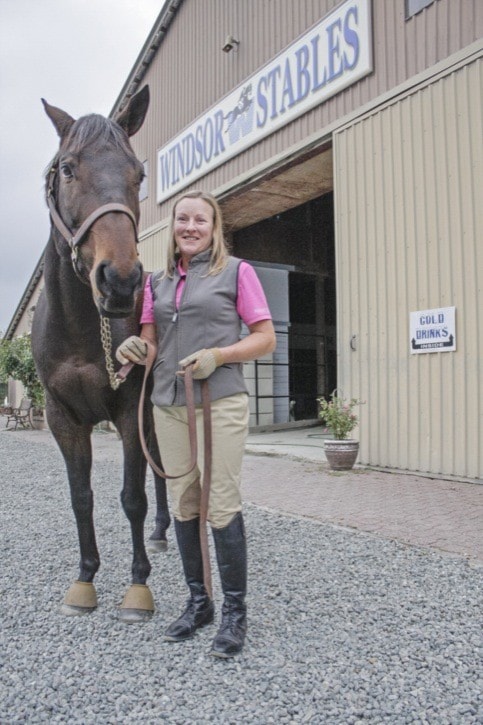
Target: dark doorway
(302, 346)
(302, 239)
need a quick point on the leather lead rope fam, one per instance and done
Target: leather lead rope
(205, 489)
(193, 438)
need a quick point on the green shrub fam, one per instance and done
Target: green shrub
(17, 362)
(338, 415)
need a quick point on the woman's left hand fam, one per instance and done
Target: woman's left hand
(205, 362)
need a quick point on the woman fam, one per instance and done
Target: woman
(192, 312)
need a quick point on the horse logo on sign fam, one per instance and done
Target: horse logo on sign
(239, 121)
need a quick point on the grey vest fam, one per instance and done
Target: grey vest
(207, 317)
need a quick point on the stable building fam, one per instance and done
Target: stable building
(343, 141)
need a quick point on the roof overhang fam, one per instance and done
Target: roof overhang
(25, 299)
(147, 54)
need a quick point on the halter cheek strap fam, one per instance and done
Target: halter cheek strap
(74, 240)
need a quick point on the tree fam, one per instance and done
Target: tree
(17, 362)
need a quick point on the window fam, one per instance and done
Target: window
(415, 6)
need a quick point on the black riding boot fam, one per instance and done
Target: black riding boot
(200, 609)
(231, 554)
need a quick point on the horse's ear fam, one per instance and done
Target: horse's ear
(132, 117)
(61, 120)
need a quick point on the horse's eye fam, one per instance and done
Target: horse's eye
(66, 171)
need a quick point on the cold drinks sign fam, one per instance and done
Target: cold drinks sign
(433, 330)
(332, 55)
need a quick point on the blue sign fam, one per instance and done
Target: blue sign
(332, 55)
(433, 330)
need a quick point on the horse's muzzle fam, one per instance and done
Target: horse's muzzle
(117, 293)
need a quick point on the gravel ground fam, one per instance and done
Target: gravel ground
(343, 627)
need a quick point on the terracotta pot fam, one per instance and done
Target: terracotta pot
(341, 455)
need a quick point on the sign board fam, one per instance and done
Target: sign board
(433, 330)
(333, 54)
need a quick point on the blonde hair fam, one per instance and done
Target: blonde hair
(219, 249)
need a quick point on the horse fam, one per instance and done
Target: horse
(90, 303)
(242, 106)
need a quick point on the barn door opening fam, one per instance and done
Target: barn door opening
(294, 254)
(311, 343)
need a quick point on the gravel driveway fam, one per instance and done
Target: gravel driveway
(344, 627)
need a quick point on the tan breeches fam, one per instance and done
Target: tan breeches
(229, 418)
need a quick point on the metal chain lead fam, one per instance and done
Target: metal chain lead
(106, 340)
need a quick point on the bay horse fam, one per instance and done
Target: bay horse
(90, 303)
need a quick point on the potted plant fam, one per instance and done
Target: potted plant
(338, 414)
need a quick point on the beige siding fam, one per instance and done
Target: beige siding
(153, 248)
(408, 237)
(190, 72)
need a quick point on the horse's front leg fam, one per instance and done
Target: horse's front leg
(138, 604)
(75, 445)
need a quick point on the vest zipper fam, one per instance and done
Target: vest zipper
(174, 320)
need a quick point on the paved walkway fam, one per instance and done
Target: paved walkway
(287, 472)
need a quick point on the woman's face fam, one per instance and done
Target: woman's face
(193, 227)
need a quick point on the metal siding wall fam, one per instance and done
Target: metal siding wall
(153, 249)
(190, 72)
(408, 237)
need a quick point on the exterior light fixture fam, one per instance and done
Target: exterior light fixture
(230, 43)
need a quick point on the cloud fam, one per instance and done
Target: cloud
(77, 55)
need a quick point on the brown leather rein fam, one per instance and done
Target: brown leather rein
(193, 438)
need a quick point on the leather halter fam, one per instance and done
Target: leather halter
(74, 240)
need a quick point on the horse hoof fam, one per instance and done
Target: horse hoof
(157, 545)
(137, 605)
(69, 611)
(133, 616)
(80, 598)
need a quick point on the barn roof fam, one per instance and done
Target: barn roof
(147, 54)
(25, 299)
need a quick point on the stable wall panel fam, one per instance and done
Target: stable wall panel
(408, 237)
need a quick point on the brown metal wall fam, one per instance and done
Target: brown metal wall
(190, 72)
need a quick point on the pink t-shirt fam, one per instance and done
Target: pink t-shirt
(251, 303)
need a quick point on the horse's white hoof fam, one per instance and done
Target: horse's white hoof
(133, 616)
(69, 611)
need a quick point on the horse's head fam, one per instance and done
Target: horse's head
(93, 197)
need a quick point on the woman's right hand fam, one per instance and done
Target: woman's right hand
(133, 349)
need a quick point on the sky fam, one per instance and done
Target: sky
(77, 54)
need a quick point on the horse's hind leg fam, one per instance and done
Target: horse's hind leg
(158, 541)
(75, 445)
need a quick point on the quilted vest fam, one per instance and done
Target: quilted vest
(207, 317)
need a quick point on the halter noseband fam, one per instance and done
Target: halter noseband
(75, 240)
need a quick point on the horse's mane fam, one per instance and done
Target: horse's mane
(95, 131)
